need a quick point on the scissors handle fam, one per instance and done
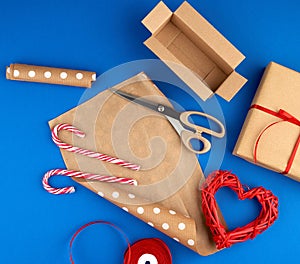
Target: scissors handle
(187, 136)
(184, 118)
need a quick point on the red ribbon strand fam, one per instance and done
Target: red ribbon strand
(284, 116)
(146, 251)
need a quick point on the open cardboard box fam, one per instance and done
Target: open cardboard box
(194, 50)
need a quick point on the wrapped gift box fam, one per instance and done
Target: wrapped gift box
(270, 136)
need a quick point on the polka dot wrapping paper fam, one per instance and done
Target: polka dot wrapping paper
(33, 73)
(167, 196)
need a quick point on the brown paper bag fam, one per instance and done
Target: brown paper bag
(168, 196)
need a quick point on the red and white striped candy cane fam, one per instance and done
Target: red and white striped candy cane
(81, 175)
(85, 152)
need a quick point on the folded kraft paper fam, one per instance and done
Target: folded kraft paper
(168, 196)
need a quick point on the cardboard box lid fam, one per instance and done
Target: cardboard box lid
(157, 18)
(229, 88)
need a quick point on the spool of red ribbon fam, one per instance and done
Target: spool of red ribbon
(148, 251)
(145, 251)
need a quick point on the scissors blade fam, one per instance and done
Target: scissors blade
(176, 124)
(159, 108)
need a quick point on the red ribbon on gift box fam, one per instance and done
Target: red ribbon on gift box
(284, 116)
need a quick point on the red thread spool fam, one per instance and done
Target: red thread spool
(145, 251)
(148, 251)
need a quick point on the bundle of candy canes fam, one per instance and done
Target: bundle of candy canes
(88, 153)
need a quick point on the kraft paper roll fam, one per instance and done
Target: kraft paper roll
(51, 75)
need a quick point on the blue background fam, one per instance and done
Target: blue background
(97, 35)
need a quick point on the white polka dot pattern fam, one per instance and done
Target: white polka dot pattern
(165, 226)
(16, 73)
(140, 210)
(156, 210)
(191, 242)
(33, 73)
(172, 223)
(115, 195)
(47, 74)
(79, 76)
(63, 75)
(172, 212)
(181, 226)
(131, 195)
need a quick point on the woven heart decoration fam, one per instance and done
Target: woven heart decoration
(222, 237)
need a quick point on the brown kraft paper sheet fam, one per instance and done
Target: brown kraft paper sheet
(168, 196)
(279, 90)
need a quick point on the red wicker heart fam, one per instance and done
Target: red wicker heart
(221, 236)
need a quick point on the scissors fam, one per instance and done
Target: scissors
(179, 120)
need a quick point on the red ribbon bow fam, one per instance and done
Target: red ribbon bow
(288, 117)
(285, 116)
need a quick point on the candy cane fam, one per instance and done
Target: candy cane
(81, 175)
(86, 152)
